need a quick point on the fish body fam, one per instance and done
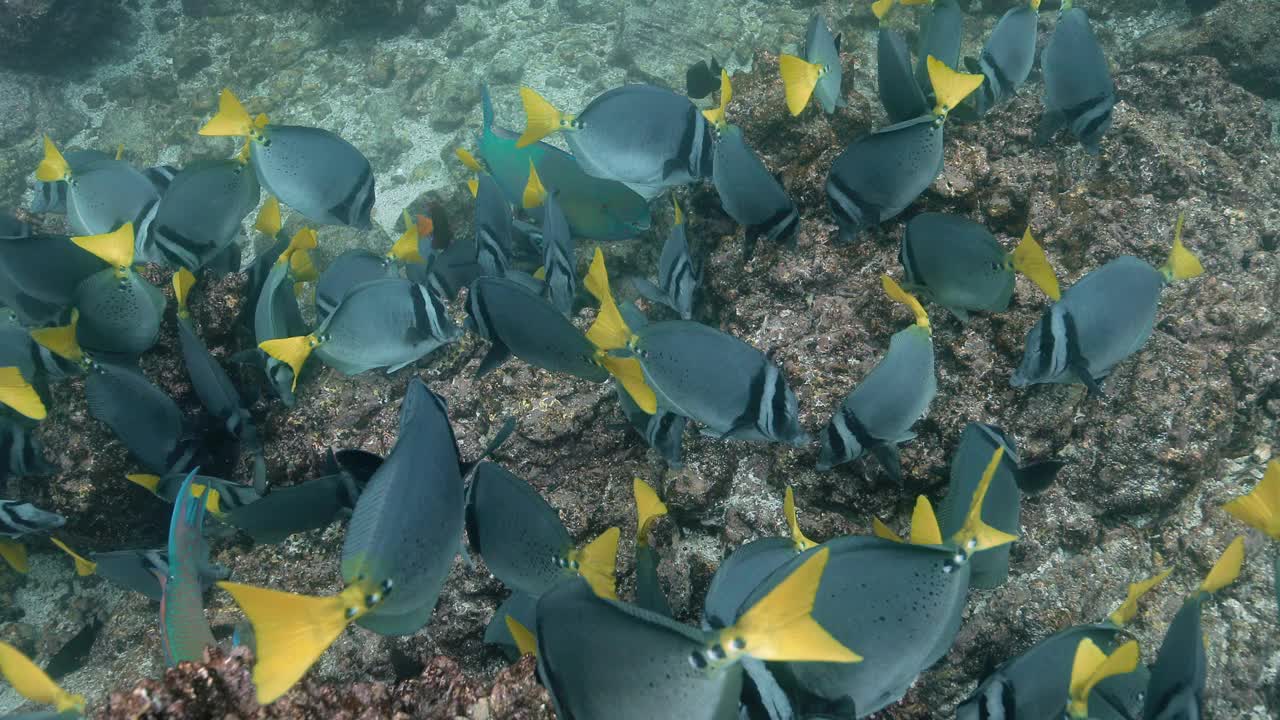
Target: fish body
(386, 323)
(140, 414)
(678, 275)
(120, 312)
(277, 316)
(493, 228)
(702, 78)
(19, 518)
(558, 258)
(200, 213)
(958, 263)
(404, 533)
(315, 172)
(1079, 93)
(822, 48)
(1101, 320)
(213, 386)
(715, 379)
(106, 194)
(663, 431)
(21, 452)
(749, 193)
(223, 496)
(297, 508)
(879, 175)
(740, 574)
(941, 33)
(517, 321)
(880, 411)
(39, 275)
(51, 197)
(518, 606)
(1007, 58)
(1177, 686)
(184, 630)
(900, 94)
(352, 268)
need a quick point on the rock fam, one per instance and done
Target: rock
(16, 122)
(51, 35)
(435, 17)
(1244, 35)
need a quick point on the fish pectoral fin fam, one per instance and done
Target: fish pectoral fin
(887, 454)
(1050, 123)
(1036, 477)
(498, 354)
(960, 314)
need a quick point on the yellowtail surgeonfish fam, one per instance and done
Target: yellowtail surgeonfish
(1079, 93)
(17, 520)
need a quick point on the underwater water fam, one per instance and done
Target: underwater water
(1130, 411)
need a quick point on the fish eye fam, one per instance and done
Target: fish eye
(972, 544)
(372, 599)
(739, 643)
(947, 567)
(697, 661)
(387, 585)
(716, 652)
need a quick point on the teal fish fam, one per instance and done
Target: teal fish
(1079, 93)
(199, 215)
(399, 548)
(879, 412)
(522, 541)
(120, 312)
(958, 264)
(1100, 321)
(599, 657)
(184, 631)
(313, 171)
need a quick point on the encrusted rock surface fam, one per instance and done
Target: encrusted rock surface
(1182, 427)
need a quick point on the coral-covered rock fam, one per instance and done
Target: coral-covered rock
(49, 35)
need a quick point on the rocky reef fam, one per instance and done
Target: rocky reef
(1182, 427)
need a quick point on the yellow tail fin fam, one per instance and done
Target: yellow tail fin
(53, 167)
(84, 566)
(534, 193)
(675, 205)
(268, 222)
(232, 119)
(183, 281)
(406, 248)
(798, 538)
(33, 684)
(1129, 608)
(525, 642)
(114, 248)
(649, 507)
(468, 160)
(474, 186)
(61, 340)
(1261, 508)
(897, 294)
(1181, 264)
(715, 115)
(799, 78)
(1092, 666)
(304, 239)
(950, 87)
(15, 553)
(610, 332)
(1030, 260)
(598, 561)
(303, 268)
(540, 273)
(542, 118)
(975, 534)
(882, 531)
(1035, 5)
(18, 394)
(292, 631)
(780, 626)
(1227, 569)
(881, 8)
(292, 351)
(924, 524)
(149, 482)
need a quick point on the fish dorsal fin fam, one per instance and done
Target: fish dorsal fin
(61, 340)
(232, 120)
(540, 273)
(525, 642)
(304, 239)
(799, 78)
(610, 332)
(542, 118)
(148, 482)
(898, 295)
(18, 394)
(798, 538)
(303, 268)
(1261, 508)
(405, 249)
(924, 524)
(84, 566)
(780, 626)
(715, 115)
(1030, 260)
(114, 248)
(292, 351)
(949, 86)
(1181, 264)
(675, 205)
(268, 222)
(534, 192)
(33, 684)
(884, 532)
(1129, 608)
(468, 160)
(53, 167)
(293, 631)
(598, 562)
(183, 281)
(881, 8)
(648, 508)
(1227, 569)
(1091, 666)
(975, 534)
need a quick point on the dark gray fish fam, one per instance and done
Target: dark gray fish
(317, 173)
(702, 79)
(678, 274)
(141, 415)
(517, 321)
(21, 452)
(493, 228)
(388, 323)
(11, 228)
(225, 495)
(107, 194)
(823, 48)
(309, 505)
(1007, 58)
(120, 312)
(39, 275)
(1078, 91)
(200, 213)
(649, 507)
(880, 411)
(648, 137)
(663, 431)
(740, 574)
(51, 197)
(715, 379)
(352, 268)
(277, 316)
(749, 193)
(256, 274)
(941, 32)
(518, 606)
(19, 518)
(558, 259)
(879, 175)
(900, 94)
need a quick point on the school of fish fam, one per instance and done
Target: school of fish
(790, 627)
